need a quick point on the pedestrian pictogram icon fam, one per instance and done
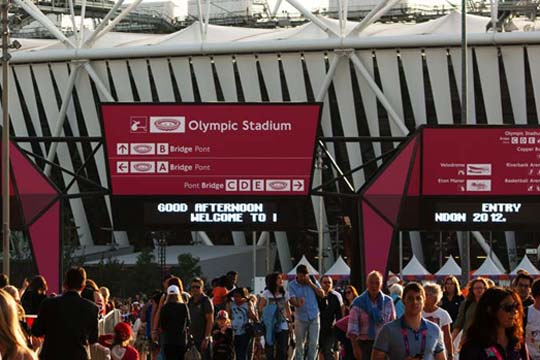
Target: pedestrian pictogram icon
(138, 124)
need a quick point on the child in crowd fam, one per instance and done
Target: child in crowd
(223, 337)
(121, 349)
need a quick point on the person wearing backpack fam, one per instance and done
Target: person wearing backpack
(276, 315)
(242, 312)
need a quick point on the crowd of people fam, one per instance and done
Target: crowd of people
(307, 319)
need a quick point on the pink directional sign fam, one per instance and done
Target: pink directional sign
(481, 161)
(453, 178)
(210, 149)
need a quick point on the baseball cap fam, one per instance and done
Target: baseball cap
(393, 279)
(123, 329)
(173, 290)
(222, 314)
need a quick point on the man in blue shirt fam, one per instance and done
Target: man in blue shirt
(412, 336)
(303, 294)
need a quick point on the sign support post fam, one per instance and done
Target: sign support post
(465, 260)
(254, 236)
(321, 209)
(5, 138)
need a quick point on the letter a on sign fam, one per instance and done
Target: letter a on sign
(163, 167)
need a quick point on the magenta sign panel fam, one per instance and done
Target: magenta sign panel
(453, 178)
(481, 161)
(210, 149)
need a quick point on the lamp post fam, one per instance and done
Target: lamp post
(5, 137)
(162, 253)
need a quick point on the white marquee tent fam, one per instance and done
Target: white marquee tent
(303, 261)
(488, 269)
(340, 269)
(526, 264)
(414, 269)
(450, 267)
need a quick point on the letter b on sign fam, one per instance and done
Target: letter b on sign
(163, 149)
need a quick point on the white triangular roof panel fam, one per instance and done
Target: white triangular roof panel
(450, 267)
(527, 265)
(414, 268)
(340, 268)
(304, 261)
(488, 268)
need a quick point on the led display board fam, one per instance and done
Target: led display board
(453, 178)
(471, 213)
(211, 213)
(473, 177)
(200, 166)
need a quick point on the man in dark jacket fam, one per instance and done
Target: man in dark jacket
(330, 307)
(201, 312)
(68, 322)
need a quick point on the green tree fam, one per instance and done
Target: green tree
(112, 274)
(145, 275)
(188, 267)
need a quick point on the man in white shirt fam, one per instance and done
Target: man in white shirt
(532, 328)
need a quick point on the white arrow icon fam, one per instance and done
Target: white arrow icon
(122, 167)
(298, 185)
(122, 149)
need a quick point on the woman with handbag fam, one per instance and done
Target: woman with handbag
(241, 312)
(276, 315)
(174, 322)
(341, 325)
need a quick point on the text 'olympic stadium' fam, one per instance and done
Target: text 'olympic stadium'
(376, 81)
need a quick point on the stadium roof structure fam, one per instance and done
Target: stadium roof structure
(213, 260)
(215, 34)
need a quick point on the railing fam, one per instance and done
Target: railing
(105, 326)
